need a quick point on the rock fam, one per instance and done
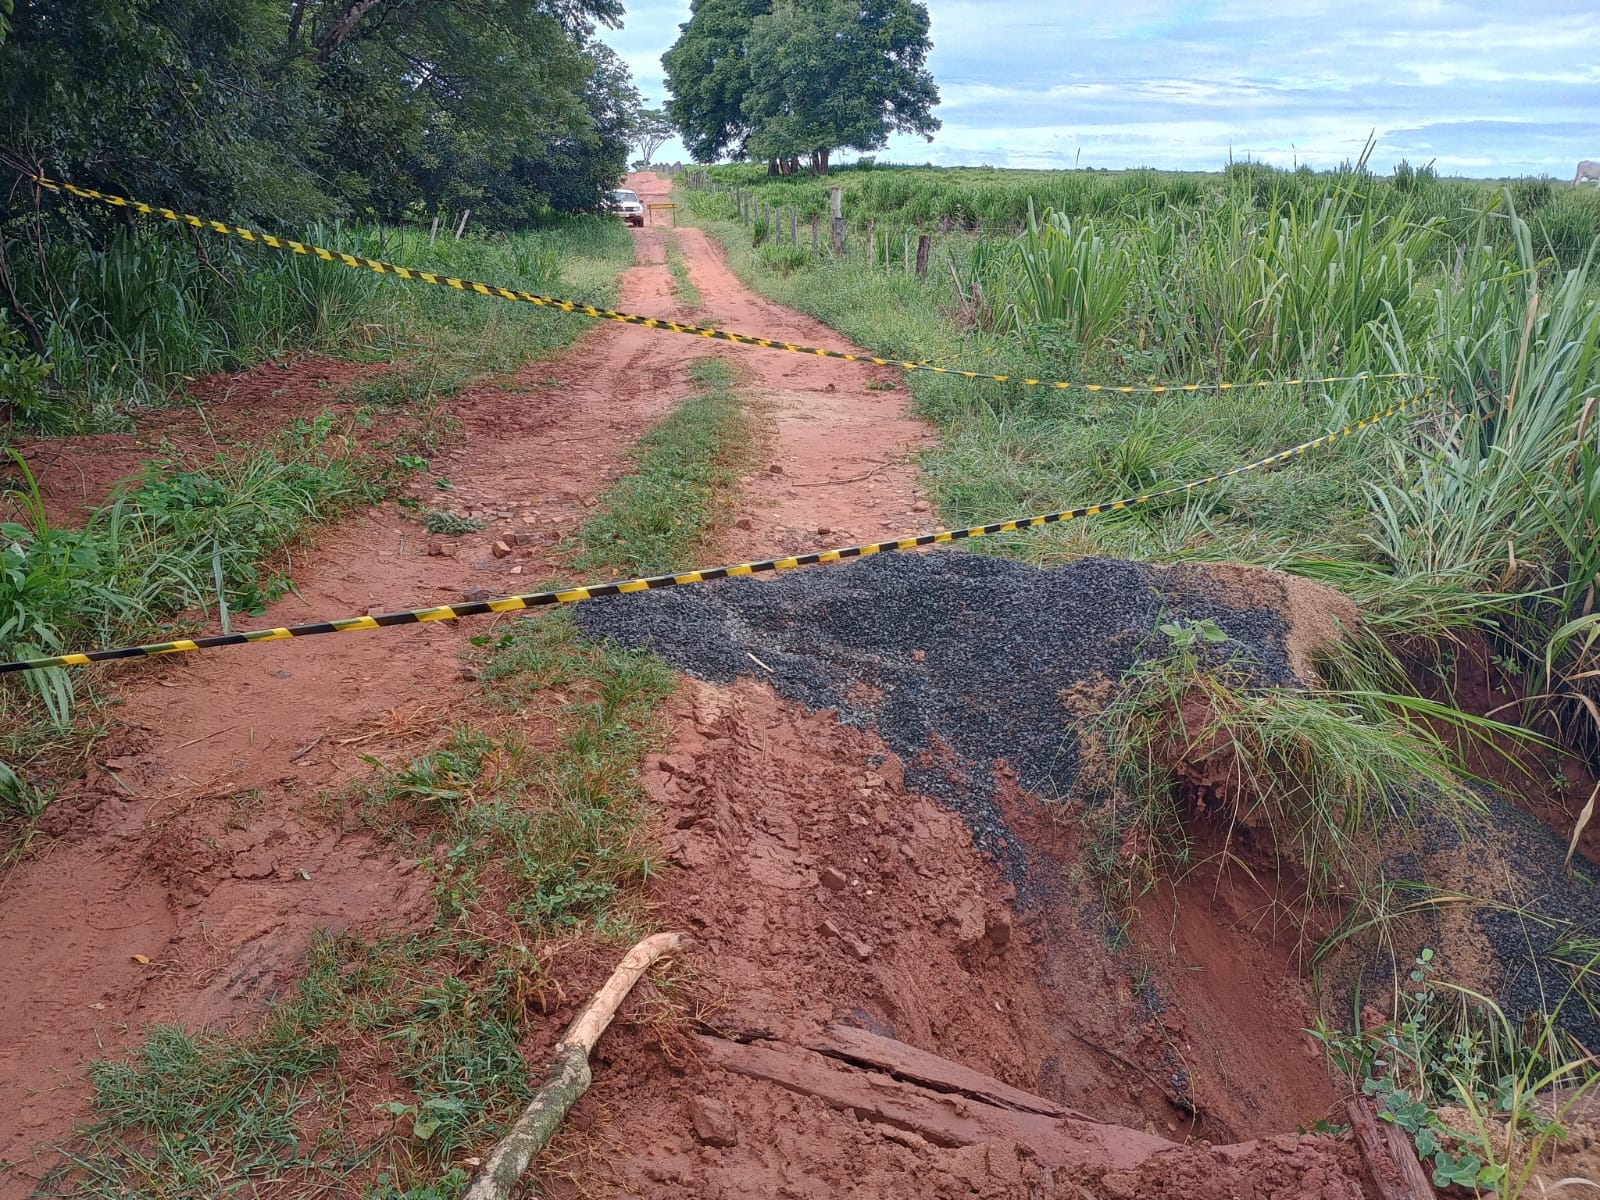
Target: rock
(776, 469)
(714, 1122)
(824, 530)
(833, 879)
(255, 866)
(435, 548)
(920, 506)
(744, 523)
(500, 549)
(997, 931)
(474, 595)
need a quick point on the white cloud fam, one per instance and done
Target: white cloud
(1170, 83)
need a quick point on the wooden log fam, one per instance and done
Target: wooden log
(931, 1070)
(924, 248)
(568, 1075)
(944, 1120)
(1391, 1162)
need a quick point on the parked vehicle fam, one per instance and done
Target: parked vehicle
(626, 205)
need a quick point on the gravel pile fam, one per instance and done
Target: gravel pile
(959, 661)
(948, 651)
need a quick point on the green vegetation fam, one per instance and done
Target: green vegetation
(781, 81)
(262, 110)
(682, 286)
(1481, 1099)
(663, 515)
(152, 310)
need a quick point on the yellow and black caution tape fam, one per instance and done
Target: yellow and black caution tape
(451, 612)
(380, 267)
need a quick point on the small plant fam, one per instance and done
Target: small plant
(1467, 1058)
(437, 520)
(1187, 634)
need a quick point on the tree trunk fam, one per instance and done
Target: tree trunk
(348, 20)
(297, 14)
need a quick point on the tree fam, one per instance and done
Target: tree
(708, 76)
(787, 80)
(651, 131)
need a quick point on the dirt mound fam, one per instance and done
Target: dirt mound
(835, 908)
(968, 668)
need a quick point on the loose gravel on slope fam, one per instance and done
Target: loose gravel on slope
(950, 650)
(961, 662)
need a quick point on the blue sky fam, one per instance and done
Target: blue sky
(1485, 89)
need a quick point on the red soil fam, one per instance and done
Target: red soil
(817, 888)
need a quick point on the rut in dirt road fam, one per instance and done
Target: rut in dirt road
(188, 845)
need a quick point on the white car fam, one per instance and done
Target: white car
(626, 205)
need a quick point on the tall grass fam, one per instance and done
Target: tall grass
(132, 314)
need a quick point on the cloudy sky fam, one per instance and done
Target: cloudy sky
(1482, 87)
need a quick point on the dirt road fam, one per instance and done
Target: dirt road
(183, 846)
(188, 872)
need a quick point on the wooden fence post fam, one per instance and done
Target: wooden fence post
(924, 247)
(462, 228)
(836, 212)
(872, 242)
(434, 232)
(816, 225)
(794, 227)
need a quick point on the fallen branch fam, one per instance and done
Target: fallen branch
(568, 1075)
(1391, 1162)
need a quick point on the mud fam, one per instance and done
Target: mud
(826, 843)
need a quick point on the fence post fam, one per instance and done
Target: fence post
(434, 232)
(872, 242)
(924, 246)
(816, 224)
(794, 227)
(836, 212)
(462, 228)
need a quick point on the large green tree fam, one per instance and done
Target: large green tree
(708, 76)
(784, 80)
(285, 110)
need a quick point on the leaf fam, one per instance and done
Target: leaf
(1427, 1143)
(424, 1128)
(142, 959)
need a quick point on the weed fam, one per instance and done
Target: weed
(1482, 1102)
(1314, 777)
(661, 517)
(437, 520)
(683, 287)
